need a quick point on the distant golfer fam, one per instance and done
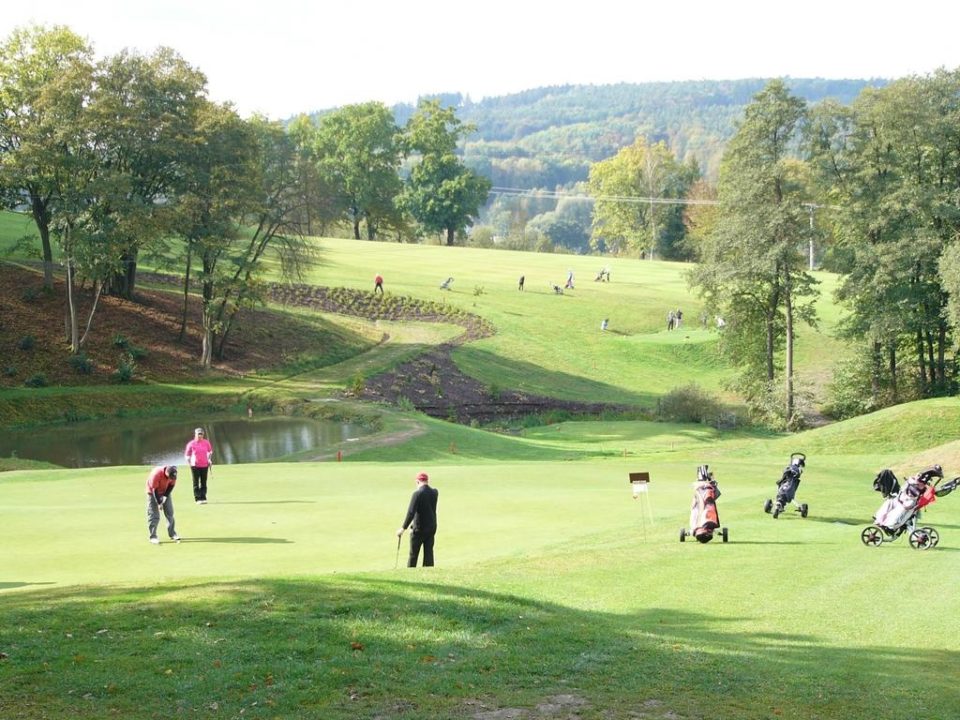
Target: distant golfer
(378, 284)
(160, 484)
(422, 520)
(520, 284)
(199, 453)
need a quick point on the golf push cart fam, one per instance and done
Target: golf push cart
(787, 488)
(704, 520)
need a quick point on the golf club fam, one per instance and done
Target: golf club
(396, 563)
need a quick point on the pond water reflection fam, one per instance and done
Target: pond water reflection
(161, 442)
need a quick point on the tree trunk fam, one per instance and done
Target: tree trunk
(186, 293)
(98, 288)
(942, 356)
(41, 216)
(356, 228)
(788, 370)
(71, 305)
(932, 372)
(451, 236)
(769, 349)
(892, 365)
(921, 361)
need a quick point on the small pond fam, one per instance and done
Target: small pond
(161, 441)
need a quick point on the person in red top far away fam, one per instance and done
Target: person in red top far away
(378, 284)
(160, 484)
(198, 453)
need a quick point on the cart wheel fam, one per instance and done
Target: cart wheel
(803, 510)
(920, 539)
(683, 536)
(776, 511)
(934, 536)
(768, 505)
(872, 536)
(723, 534)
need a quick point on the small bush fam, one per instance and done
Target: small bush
(10, 371)
(406, 404)
(125, 369)
(26, 342)
(138, 353)
(494, 392)
(478, 290)
(81, 364)
(30, 294)
(37, 381)
(357, 385)
(690, 403)
(120, 341)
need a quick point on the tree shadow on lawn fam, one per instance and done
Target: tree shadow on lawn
(248, 540)
(264, 502)
(360, 647)
(11, 585)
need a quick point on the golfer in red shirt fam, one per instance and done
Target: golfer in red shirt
(160, 484)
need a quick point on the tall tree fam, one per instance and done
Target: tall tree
(893, 161)
(359, 155)
(45, 80)
(442, 194)
(142, 114)
(632, 191)
(752, 269)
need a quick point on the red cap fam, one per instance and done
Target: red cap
(422, 477)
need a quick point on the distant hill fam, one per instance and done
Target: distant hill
(548, 137)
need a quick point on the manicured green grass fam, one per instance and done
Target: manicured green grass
(556, 594)
(553, 587)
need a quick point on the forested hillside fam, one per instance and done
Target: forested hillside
(548, 137)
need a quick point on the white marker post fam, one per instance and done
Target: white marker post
(640, 483)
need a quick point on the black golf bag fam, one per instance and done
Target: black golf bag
(787, 488)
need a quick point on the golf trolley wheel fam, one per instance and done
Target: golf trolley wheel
(768, 506)
(776, 512)
(803, 510)
(872, 536)
(934, 536)
(683, 536)
(922, 539)
(723, 534)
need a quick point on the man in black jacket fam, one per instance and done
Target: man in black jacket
(422, 514)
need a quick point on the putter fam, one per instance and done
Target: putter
(396, 563)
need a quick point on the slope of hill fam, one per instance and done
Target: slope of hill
(546, 137)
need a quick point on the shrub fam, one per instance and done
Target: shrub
(690, 403)
(81, 364)
(26, 342)
(36, 381)
(478, 290)
(10, 371)
(30, 294)
(125, 369)
(357, 385)
(138, 353)
(406, 404)
(120, 341)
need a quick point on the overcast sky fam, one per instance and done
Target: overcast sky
(284, 57)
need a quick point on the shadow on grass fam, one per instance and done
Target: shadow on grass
(838, 520)
(11, 585)
(248, 540)
(266, 502)
(358, 647)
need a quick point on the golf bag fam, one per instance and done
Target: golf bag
(704, 519)
(787, 488)
(900, 512)
(902, 509)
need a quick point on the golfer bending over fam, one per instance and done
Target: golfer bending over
(160, 484)
(422, 513)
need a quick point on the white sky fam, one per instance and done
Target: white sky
(284, 57)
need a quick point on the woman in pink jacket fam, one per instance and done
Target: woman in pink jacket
(198, 453)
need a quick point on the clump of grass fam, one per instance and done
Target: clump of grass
(81, 364)
(36, 381)
(27, 342)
